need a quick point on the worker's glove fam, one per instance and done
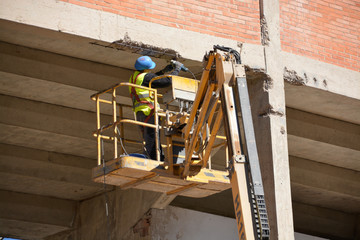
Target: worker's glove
(177, 65)
(168, 68)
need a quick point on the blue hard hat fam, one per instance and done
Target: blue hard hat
(144, 62)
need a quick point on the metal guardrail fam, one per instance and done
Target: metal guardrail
(119, 120)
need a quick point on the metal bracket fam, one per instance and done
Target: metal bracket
(239, 158)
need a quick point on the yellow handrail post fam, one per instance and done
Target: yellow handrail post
(98, 128)
(114, 121)
(121, 129)
(156, 122)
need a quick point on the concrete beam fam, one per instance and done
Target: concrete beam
(323, 152)
(322, 102)
(53, 128)
(323, 139)
(46, 117)
(60, 69)
(108, 27)
(324, 222)
(325, 185)
(321, 75)
(323, 129)
(29, 216)
(56, 93)
(45, 173)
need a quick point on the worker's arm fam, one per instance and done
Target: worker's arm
(162, 82)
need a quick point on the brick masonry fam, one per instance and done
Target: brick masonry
(325, 30)
(231, 19)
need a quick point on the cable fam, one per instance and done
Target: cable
(235, 53)
(105, 192)
(192, 74)
(120, 139)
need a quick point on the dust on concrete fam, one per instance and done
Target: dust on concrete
(128, 45)
(293, 78)
(265, 39)
(269, 110)
(259, 74)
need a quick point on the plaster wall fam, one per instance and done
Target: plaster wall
(183, 224)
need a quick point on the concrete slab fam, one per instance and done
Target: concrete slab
(323, 129)
(325, 103)
(32, 171)
(31, 230)
(33, 216)
(108, 27)
(340, 191)
(325, 222)
(324, 153)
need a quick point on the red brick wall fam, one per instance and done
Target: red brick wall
(232, 19)
(325, 30)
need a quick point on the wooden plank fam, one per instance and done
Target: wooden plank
(139, 181)
(113, 180)
(130, 172)
(215, 186)
(198, 193)
(124, 172)
(182, 189)
(157, 186)
(174, 180)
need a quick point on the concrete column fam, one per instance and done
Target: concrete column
(268, 104)
(126, 217)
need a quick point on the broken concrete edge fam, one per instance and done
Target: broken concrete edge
(293, 78)
(304, 71)
(143, 225)
(108, 27)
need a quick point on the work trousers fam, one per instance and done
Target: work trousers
(149, 137)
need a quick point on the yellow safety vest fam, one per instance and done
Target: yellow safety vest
(140, 97)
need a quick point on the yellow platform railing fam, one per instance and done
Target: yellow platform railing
(119, 120)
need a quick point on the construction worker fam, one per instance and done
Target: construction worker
(143, 105)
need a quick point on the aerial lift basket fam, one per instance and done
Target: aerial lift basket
(135, 171)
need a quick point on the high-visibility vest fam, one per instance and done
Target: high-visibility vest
(140, 97)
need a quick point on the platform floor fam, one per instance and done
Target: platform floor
(132, 172)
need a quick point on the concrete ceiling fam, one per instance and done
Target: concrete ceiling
(47, 151)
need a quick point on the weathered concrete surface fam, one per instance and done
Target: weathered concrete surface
(268, 107)
(336, 225)
(66, 130)
(34, 216)
(323, 76)
(49, 75)
(125, 209)
(323, 103)
(107, 27)
(59, 69)
(323, 139)
(179, 223)
(323, 129)
(341, 190)
(323, 152)
(45, 173)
